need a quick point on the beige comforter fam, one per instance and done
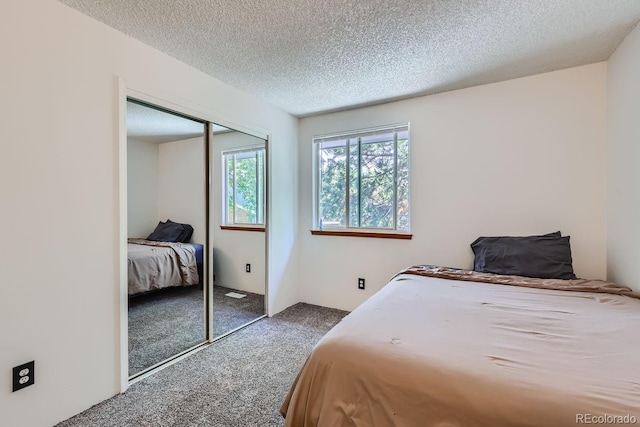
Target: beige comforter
(156, 265)
(438, 349)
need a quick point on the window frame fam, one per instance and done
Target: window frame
(348, 229)
(259, 225)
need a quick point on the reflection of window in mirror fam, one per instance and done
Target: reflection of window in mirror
(243, 195)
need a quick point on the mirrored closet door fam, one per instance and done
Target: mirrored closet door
(238, 228)
(167, 164)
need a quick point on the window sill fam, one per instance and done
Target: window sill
(241, 228)
(374, 234)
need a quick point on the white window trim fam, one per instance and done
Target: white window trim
(318, 139)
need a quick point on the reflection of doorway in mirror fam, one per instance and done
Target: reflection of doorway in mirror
(238, 232)
(167, 228)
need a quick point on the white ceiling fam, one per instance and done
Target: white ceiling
(151, 125)
(313, 56)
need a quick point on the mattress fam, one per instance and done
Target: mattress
(432, 351)
(198, 252)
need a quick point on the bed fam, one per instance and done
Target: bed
(164, 259)
(449, 347)
(154, 265)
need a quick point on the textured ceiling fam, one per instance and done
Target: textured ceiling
(312, 56)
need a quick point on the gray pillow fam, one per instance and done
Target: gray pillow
(167, 232)
(545, 257)
(187, 232)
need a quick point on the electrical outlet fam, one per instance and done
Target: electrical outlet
(23, 375)
(360, 283)
(248, 268)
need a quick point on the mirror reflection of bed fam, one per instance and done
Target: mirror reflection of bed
(166, 230)
(238, 235)
(166, 313)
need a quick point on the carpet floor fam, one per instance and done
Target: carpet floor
(165, 323)
(230, 313)
(240, 380)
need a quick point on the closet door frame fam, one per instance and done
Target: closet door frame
(180, 106)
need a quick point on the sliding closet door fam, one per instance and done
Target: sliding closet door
(167, 175)
(238, 232)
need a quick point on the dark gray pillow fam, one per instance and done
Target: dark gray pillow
(167, 232)
(187, 232)
(545, 257)
(493, 238)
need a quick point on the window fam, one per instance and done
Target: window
(244, 186)
(362, 180)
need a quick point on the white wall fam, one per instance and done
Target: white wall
(165, 181)
(520, 157)
(181, 193)
(142, 187)
(59, 192)
(234, 249)
(623, 220)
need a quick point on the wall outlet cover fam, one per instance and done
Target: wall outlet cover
(24, 375)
